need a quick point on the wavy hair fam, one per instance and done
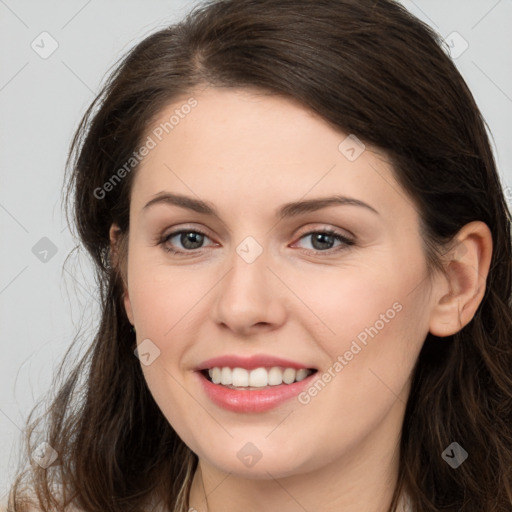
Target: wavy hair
(370, 68)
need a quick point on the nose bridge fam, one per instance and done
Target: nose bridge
(247, 282)
(249, 293)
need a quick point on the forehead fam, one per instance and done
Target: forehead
(243, 145)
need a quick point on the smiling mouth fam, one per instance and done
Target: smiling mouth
(260, 378)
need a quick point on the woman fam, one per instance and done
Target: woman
(300, 233)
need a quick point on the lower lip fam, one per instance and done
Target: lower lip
(252, 400)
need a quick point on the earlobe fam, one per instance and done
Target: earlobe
(462, 287)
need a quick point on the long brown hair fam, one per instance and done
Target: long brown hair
(369, 68)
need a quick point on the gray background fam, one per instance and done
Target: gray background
(43, 303)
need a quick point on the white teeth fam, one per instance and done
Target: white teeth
(258, 377)
(289, 375)
(240, 377)
(215, 375)
(275, 376)
(225, 377)
(301, 374)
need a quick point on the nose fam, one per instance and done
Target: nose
(250, 298)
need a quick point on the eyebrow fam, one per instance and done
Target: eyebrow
(293, 209)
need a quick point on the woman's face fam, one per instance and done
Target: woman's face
(261, 274)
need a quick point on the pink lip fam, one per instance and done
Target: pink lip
(247, 400)
(249, 363)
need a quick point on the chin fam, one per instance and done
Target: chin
(258, 464)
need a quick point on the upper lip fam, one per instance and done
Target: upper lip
(249, 363)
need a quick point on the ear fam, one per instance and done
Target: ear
(115, 241)
(463, 287)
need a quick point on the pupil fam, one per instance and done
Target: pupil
(323, 239)
(188, 239)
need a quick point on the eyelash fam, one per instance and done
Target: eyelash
(346, 242)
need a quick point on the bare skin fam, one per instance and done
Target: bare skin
(248, 154)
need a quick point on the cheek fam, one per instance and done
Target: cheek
(162, 296)
(378, 328)
(166, 304)
(174, 399)
(370, 322)
(351, 301)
